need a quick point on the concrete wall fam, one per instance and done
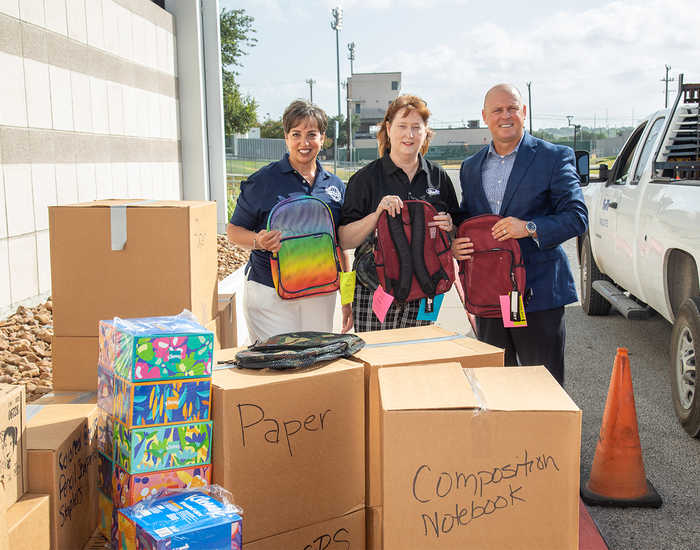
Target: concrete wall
(88, 110)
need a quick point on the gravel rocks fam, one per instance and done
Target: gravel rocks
(25, 336)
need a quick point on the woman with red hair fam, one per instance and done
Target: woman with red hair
(400, 173)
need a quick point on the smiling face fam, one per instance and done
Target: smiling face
(407, 132)
(304, 141)
(504, 114)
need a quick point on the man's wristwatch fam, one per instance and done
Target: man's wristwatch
(531, 228)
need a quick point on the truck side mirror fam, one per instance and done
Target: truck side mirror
(582, 166)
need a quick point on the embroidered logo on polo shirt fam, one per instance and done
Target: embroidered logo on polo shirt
(334, 193)
(432, 191)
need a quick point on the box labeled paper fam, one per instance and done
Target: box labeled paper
(186, 520)
(160, 348)
(410, 346)
(146, 404)
(484, 458)
(13, 451)
(290, 445)
(140, 450)
(128, 489)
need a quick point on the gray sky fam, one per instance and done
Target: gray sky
(598, 61)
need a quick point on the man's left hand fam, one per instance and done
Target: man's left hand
(509, 228)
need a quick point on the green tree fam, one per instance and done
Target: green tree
(272, 129)
(343, 130)
(236, 34)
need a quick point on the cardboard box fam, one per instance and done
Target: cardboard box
(289, 445)
(4, 538)
(74, 361)
(62, 462)
(130, 258)
(344, 533)
(226, 321)
(128, 489)
(13, 450)
(373, 516)
(146, 404)
(141, 450)
(28, 524)
(410, 346)
(484, 458)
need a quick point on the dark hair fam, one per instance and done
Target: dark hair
(410, 103)
(300, 110)
(12, 432)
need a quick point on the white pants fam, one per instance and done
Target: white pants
(267, 314)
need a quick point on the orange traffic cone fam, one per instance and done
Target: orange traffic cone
(617, 475)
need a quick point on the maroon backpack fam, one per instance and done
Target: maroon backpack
(413, 260)
(496, 267)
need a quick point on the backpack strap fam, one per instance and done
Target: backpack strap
(402, 287)
(420, 270)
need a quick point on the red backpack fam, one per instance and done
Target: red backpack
(496, 267)
(413, 260)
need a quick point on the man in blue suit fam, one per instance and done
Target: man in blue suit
(534, 186)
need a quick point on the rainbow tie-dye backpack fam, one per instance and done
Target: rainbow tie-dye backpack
(308, 262)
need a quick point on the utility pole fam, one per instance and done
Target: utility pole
(576, 128)
(348, 97)
(336, 25)
(667, 80)
(311, 82)
(351, 56)
(529, 104)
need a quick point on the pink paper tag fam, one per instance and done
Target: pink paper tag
(505, 314)
(381, 302)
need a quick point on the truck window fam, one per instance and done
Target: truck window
(648, 148)
(624, 159)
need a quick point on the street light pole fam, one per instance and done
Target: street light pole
(667, 80)
(529, 105)
(336, 25)
(311, 82)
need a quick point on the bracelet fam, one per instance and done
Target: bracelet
(254, 243)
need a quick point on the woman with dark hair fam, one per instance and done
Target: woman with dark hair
(401, 173)
(297, 173)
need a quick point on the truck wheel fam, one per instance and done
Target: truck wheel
(592, 302)
(685, 356)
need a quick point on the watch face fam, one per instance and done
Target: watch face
(531, 227)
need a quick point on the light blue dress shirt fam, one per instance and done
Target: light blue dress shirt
(495, 173)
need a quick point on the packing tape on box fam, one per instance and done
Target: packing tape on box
(419, 341)
(476, 390)
(83, 397)
(117, 223)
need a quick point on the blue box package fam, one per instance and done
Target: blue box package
(189, 519)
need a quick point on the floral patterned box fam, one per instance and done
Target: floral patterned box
(142, 404)
(105, 511)
(128, 489)
(105, 389)
(141, 450)
(104, 474)
(157, 348)
(105, 432)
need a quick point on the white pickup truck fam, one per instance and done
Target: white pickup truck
(642, 249)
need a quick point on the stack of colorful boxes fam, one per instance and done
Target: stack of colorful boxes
(154, 391)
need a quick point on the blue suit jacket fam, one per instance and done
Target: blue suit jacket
(543, 187)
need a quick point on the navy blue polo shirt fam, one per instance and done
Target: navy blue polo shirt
(270, 185)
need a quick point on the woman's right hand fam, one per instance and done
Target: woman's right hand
(268, 240)
(391, 203)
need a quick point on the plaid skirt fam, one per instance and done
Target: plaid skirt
(400, 315)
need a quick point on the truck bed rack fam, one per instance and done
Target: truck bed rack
(678, 156)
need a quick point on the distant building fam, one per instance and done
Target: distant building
(370, 95)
